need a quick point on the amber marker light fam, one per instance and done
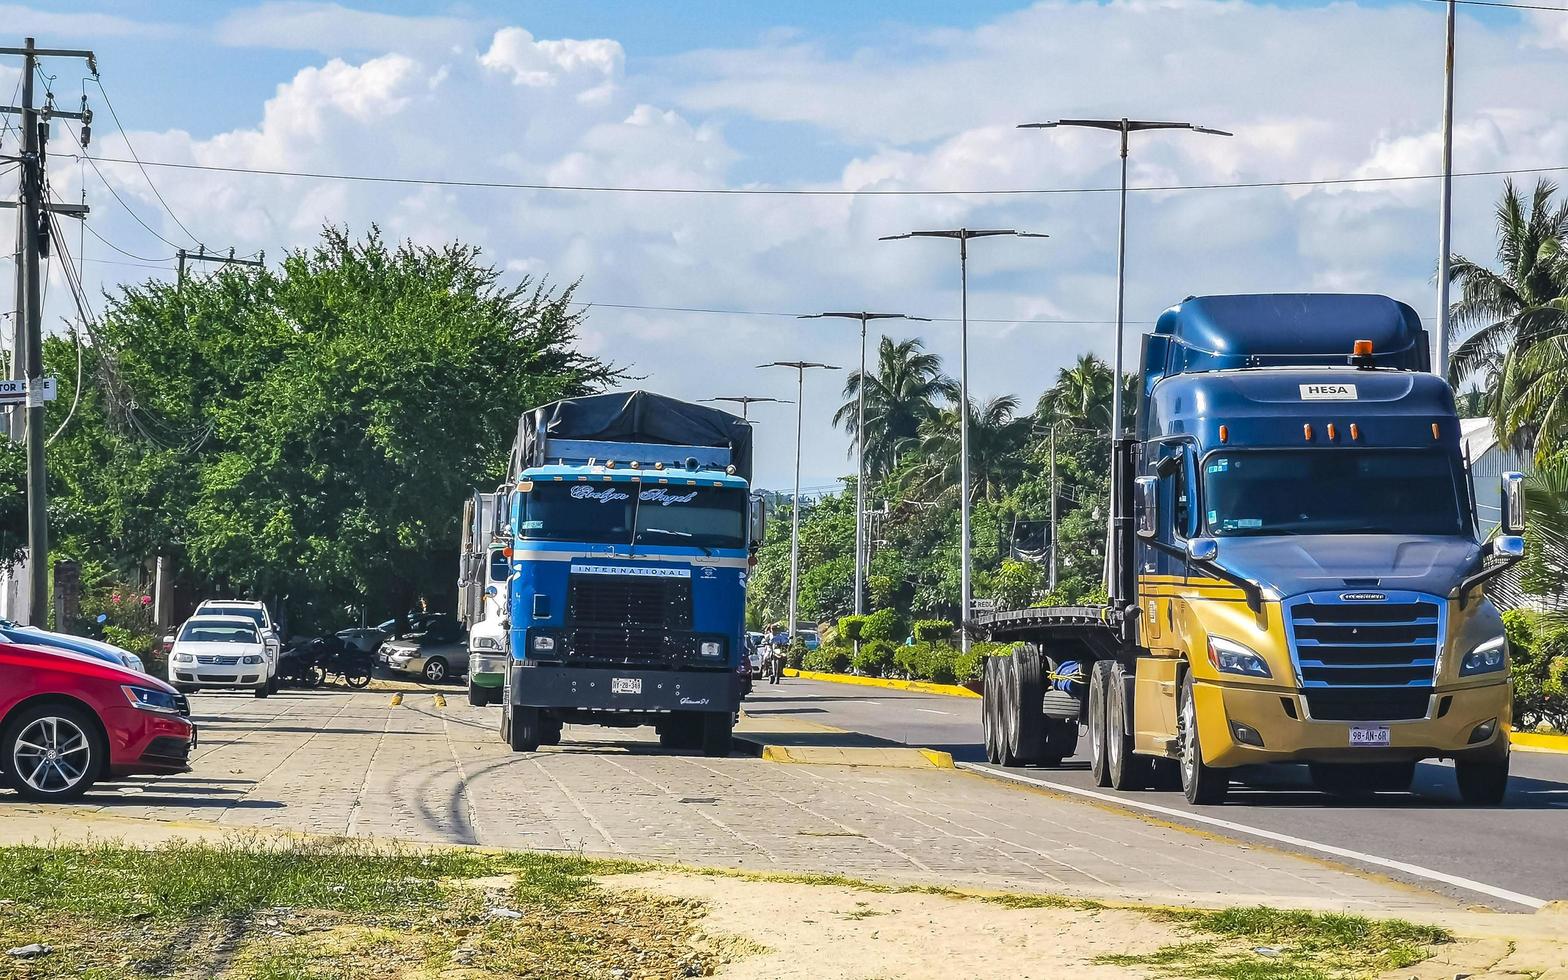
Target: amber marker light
(1435, 431)
(1355, 431)
(1224, 433)
(1306, 431)
(1332, 434)
(1363, 348)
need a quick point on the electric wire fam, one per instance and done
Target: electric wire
(109, 103)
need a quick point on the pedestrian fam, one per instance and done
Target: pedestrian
(776, 664)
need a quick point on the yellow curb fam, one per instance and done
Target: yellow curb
(1538, 742)
(924, 687)
(891, 758)
(397, 699)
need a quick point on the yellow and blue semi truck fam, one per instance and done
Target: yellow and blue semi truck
(1295, 573)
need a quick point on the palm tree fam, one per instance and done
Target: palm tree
(1515, 321)
(997, 435)
(1080, 397)
(900, 398)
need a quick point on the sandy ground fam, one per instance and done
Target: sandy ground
(780, 931)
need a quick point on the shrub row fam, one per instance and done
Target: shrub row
(1539, 649)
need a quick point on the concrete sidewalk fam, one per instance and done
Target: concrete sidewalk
(354, 764)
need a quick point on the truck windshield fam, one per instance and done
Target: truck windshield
(1356, 491)
(631, 513)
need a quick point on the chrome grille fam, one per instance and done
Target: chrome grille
(1365, 659)
(626, 601)
(214, 661)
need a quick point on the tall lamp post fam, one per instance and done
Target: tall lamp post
(745, 402)
(1445, 209)
(800, 368)
(860, 442)
(963, 235)
(1126, 127)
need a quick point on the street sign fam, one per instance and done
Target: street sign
(17, 391)
(982, 605)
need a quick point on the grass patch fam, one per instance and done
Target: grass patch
(276, 909)
(1258, 943)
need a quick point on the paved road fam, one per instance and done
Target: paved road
(1521, 847)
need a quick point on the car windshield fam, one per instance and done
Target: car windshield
(219, 633)
(631, 513)
(1317, 491)
(238, 612)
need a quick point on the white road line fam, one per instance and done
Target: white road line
(1186, 815)
(933, 711)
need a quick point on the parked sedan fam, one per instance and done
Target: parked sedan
(220, 651)
(67, 720)
(437, 654)
(33, 636)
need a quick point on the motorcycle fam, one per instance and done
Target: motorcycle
(300, 667)
(352, 667)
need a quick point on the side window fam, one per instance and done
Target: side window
(500, 566)
(1182, 498)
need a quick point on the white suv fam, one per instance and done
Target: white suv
(257, 613)
(219, 651)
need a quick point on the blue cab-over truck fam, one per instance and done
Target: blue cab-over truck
(1295, 573)
(631, 528)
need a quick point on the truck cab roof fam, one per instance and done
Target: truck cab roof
(557, 473)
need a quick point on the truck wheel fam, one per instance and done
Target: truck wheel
(681, 730)
(1061, 741)
(1482, 783)
(717, 734)
(1125, 770)
(552, 732)
(1202, 784)
(524, 731)
(1028, 696)
(1007, 704)
(1098, 766)
(988, 707)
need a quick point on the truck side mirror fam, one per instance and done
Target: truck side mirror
(1509, 546)
(1513, 503)
(1203, 549)
(1146, 493)
(759, 520)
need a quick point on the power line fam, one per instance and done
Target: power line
(114, 193)
(129, 255)
(815, 192)
(98, 80)
(775, 313)
(1500, 3)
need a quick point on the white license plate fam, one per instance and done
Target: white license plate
(1369, 735)
(626, 685)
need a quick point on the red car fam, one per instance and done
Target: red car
(68, 720)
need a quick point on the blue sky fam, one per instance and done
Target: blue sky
(845, 96)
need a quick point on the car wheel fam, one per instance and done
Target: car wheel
(274, 683)
(435, 670)
(262, 690)
(52, 752)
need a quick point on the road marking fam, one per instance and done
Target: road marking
(933, 711)
(1341, 852)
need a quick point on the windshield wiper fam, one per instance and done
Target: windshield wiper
(675, 534)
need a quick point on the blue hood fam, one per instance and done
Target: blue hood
(1291, 565)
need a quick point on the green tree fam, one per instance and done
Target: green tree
(312, 430)
(900, 398)
(1514, 320)
(1080, 397)
(997, 436)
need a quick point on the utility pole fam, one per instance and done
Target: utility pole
(202, 255)
(28, 348)
(963, 235)
(1445, 208)
(860, 447)
(1051, 578)
(800, 368)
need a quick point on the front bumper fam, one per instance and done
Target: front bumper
(405, 665)
(212, 675)
(148, 742)
(487, 669)
(594, 688)
(1443, 732)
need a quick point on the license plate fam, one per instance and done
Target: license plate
(1369, 735)
(626, 685)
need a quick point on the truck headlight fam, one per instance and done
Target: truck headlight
(711, 648)
(486, 643)
(1487, 657)
(1230, 657)
(544, 643)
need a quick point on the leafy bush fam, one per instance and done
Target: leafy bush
(850, 628)
(884, 624)
(939, 664)
(932, 630)
(966, 666)
(875, 658)
(795, 655)
(136, 642)
(1540, 669)
(830, 658)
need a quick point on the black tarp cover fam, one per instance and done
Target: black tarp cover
(631, 416)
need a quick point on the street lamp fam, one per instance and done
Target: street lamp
(745, 402)
(1126, 127)
(860, 440)
(1445, 208)
(963, 235)
(801, 367)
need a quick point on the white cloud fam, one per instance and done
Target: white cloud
(590, 66)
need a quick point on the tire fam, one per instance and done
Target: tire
(1202, 784)
(262, 690)
(524, 728)
(990, 692)
(71, 733)
(315, 676)
(435, 670)
(718, 732)
(478, 696)
(1125, 770)
(1361, 781)
(1099, 767)
(1007, 704)
(1028, 734)
(275, 683)
(1061, 741)
(552, 733)
(1482, 783)
(682, 730)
